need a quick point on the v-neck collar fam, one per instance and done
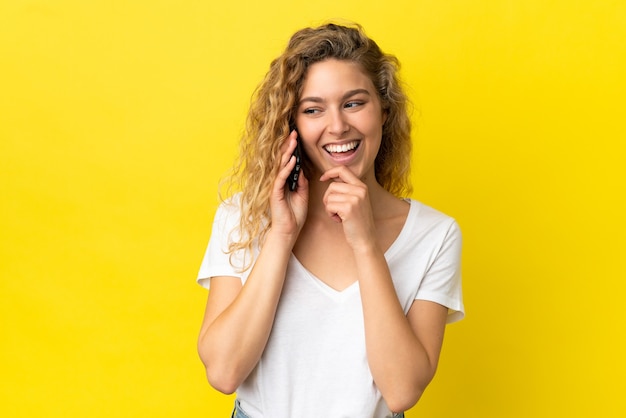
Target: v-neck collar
(389, 254)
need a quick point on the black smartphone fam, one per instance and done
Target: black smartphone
(292, 180)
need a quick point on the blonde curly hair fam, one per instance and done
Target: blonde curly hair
(273, 110)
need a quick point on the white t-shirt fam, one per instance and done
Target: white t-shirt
(315, 364)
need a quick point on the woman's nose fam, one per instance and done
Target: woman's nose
(337, 124)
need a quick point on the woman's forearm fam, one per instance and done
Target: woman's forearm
(231, 344)
(400, 365)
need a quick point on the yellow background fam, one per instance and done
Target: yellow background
(117, 119)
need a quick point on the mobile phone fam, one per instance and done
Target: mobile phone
(292, 180)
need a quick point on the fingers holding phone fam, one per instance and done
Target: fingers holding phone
(289, 201)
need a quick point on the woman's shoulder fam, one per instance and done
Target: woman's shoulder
(233, 200)
(427, 216)
(228, 212)
(230, 204)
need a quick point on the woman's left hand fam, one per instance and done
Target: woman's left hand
(347, 201)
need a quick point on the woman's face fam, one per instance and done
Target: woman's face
(340, 119)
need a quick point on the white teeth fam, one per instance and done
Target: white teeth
(341, 148)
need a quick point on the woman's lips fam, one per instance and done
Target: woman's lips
(342, 153)
(341, 148)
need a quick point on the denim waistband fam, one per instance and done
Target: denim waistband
(238, 412)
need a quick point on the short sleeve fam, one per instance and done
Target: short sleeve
(442, 282)
(217, 260)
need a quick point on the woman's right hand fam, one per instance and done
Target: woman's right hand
(289, 209)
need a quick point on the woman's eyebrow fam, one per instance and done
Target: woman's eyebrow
(355, 92)
(346, 95)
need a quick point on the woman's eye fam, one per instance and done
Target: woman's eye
(310, 111)
(353, 104)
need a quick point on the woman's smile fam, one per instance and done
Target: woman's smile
(342, 153)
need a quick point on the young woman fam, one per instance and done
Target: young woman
(329, 300)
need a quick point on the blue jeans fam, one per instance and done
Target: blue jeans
(238, 412)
